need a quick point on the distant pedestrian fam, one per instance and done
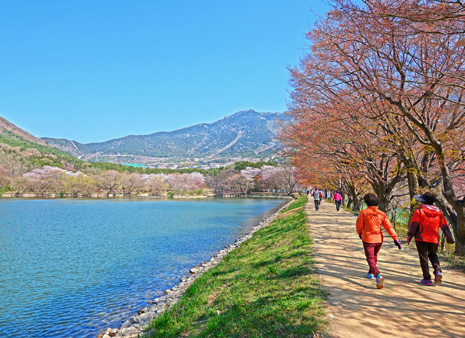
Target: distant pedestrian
(308, 192)
(424, 227)
(337, 198)
(369, 223)
(317, 198)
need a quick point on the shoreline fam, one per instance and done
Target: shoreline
(129, 197)
(133, 327)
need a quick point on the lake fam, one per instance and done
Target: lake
(72, 268)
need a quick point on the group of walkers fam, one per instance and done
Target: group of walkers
(317, 195)
(423, 227)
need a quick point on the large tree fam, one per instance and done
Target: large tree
(396, 69)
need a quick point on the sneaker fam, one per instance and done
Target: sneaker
(370, 276)
(438, 277)
(380, 282)
(426, 282)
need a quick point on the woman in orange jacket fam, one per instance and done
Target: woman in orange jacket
(369, 223)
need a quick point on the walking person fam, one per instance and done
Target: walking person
(424, 227)
(317, 198)
(369, 223)
(337, 198)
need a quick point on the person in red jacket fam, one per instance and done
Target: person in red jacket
(424, 227)
(369, 223)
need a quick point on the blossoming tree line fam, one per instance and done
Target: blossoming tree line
(378, 104)
(20, 178)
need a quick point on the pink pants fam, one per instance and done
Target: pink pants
(371, 253)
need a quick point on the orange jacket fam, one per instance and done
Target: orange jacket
(369, 223)
(425, 224)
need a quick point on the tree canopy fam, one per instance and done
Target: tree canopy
(377, 103)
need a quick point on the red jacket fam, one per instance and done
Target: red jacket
(425, 224)
(369, 223)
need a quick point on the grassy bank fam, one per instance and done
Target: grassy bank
(268, 287)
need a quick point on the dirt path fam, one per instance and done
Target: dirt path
(403, 308)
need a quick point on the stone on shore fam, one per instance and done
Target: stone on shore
(133, 327)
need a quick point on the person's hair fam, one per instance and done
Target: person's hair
(429, 198)
(371, 200)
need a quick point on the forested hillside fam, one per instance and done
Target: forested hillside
(25, 148)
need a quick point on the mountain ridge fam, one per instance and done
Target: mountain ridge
(244, 135)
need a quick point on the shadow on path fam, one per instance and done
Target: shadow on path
(403, 308)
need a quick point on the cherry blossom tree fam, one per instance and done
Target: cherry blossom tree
(110, 181)
(131, 182)
(185, 182)
(387, 63)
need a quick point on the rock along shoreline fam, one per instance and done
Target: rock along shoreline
(134, 326)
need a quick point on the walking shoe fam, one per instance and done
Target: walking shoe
(438, 277)
(370, 276)
(379, 282)
(426, 282)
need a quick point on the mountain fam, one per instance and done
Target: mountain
(8, 128)
(246, 135)
(30, 150)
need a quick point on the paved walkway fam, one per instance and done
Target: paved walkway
(403, 308)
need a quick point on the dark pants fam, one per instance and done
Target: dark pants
(371, 253)
(338, 205)
(317, 204)
(428, 251)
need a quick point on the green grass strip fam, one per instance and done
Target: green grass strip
(268, 287)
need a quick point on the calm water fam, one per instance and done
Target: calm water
(72, 268)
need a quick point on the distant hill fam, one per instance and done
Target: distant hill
(30, 150)
(246, 135)
(8, 128)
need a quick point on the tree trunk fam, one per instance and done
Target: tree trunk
(385, 204)
(394, 218)
(447, 181)
(357, 204)
(354, 199)
(413, 187)
(460, 234)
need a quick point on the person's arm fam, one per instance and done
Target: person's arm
(446, 230)
(359, 224)
(413, 226)
(390, 230)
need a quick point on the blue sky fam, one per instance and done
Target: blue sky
(94, 70)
